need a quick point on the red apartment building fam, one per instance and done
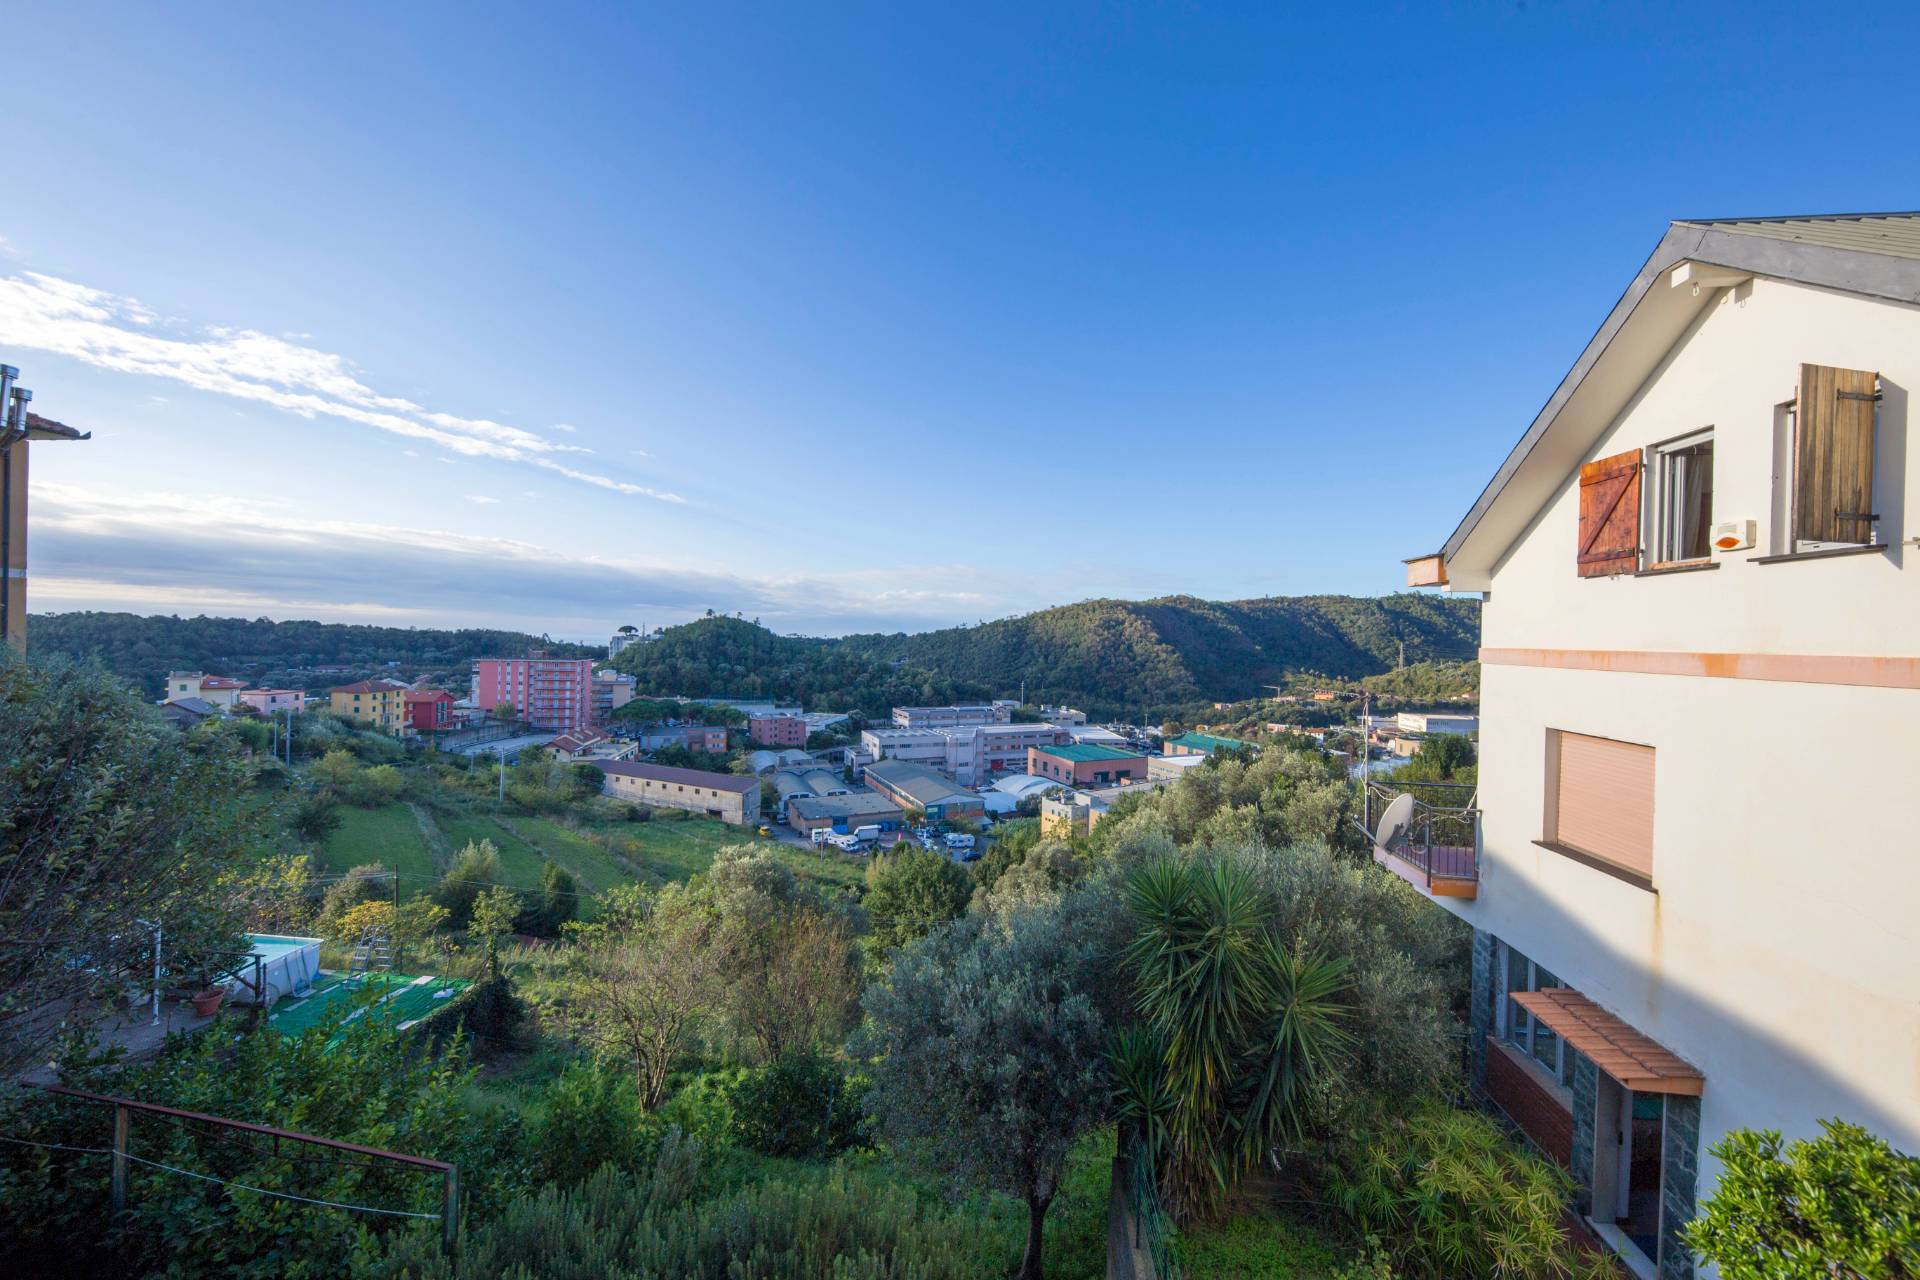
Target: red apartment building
(548, 693)
(428, 709)
(777, 730)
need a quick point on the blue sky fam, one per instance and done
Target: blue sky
(846, 317)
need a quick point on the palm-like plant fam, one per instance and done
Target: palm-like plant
(1241, 1025)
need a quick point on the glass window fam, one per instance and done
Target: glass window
(1683, 499)
(1546, 1043)
(1519, 973)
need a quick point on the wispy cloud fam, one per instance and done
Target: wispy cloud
(110, 331)
(482, 499)
(192, 552)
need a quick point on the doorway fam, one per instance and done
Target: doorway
(1629, 1137)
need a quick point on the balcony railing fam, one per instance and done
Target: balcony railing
(1438, 848)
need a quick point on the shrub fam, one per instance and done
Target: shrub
(590, 1116)
(635, 813)
(474, 868)
(368, 882)
(315, 818)
(835, 1226)
(1449, 1195)
(1844, 1203)
(911, 892)
(805, 1107)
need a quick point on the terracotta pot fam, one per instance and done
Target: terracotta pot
(207, 1003)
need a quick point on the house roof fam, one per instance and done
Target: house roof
(1874, 255)
(684, 777)
(924, 786)
(853, 804)
(1633, 1059)
(571, 742)
(39, 428)
(367, 686)
(1087, 751)
(1206, 741)
(192, 706)
(427, 695)
(221, 682)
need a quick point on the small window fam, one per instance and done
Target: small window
(1683, 500)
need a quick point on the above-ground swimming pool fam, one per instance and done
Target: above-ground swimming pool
(286, 965)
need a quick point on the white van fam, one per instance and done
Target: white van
(847, 844)
(868, 834)
(957, 843)
(820, 835)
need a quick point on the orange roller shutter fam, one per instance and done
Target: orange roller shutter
(1603, 800)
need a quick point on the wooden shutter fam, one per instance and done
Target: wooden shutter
(1610, 515)
(1603, 800)
(1833, 455)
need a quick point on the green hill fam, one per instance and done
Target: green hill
(144, 649)
(1111, 657)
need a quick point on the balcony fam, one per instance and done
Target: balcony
(1427, 833)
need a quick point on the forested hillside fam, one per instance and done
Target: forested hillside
(1111, 657)
(1117, 655)
(144, 649)
(726, 657)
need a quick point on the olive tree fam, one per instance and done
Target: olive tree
(989, 1049)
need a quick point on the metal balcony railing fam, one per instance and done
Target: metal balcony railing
(1440, 842)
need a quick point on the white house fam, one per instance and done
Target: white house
(1696, 892)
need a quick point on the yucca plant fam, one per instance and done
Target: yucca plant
(1242, 1024)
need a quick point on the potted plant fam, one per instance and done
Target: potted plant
(206, 1000)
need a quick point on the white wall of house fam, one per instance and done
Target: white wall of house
(1781, 952)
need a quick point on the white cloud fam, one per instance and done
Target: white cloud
(481, 498)
(409, 453)
(108, 331)
(568, 427)
(184, 552)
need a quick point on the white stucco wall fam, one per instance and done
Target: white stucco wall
(1781, 952)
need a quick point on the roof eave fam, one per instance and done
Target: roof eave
(1854, 271)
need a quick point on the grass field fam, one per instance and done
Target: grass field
(680, 850)
(520, 863)
(591, 865)
(388, 836)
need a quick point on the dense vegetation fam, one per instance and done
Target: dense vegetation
(144, 649)
(1111, 657)
(1212, 1018)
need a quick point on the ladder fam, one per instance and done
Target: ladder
(373, 953)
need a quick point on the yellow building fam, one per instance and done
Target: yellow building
(381, 703)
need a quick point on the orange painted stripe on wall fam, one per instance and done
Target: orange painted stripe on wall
(1801, 668)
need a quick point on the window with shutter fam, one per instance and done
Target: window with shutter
(1600, 800)
(1833, 456)
(1610, 515)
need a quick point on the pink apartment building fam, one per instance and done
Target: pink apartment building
(273, 702)
(777, 730)
(549, 693)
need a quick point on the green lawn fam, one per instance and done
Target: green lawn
(520, 863)
(591, 865)
(388, 836)
(675, 849)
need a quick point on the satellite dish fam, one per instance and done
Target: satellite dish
(1394, 822)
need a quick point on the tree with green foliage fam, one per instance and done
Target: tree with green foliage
(1440, 757)
(355, 1077)
(314, 818)
(492, 919)
(474, 868)
(988, 1049)
(912, 891)
(1842, 1204)
(1241, 1022)
(337, 769)
(109, 819)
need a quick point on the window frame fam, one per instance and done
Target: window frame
(1657, 526)
(1786, 481)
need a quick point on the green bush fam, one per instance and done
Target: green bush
(590, 1116)
(474, 868)
(1448, 1195)
(1842, 1204)
(839, 1225)
(488, 1011)
(361, 1081)
(702, 1108)
(805, 1107)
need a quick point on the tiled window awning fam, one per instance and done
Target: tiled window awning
(1616, 1048)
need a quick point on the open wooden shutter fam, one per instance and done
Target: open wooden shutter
(1833, 455)
(1610, 515)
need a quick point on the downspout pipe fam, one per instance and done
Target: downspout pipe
(8, 413)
